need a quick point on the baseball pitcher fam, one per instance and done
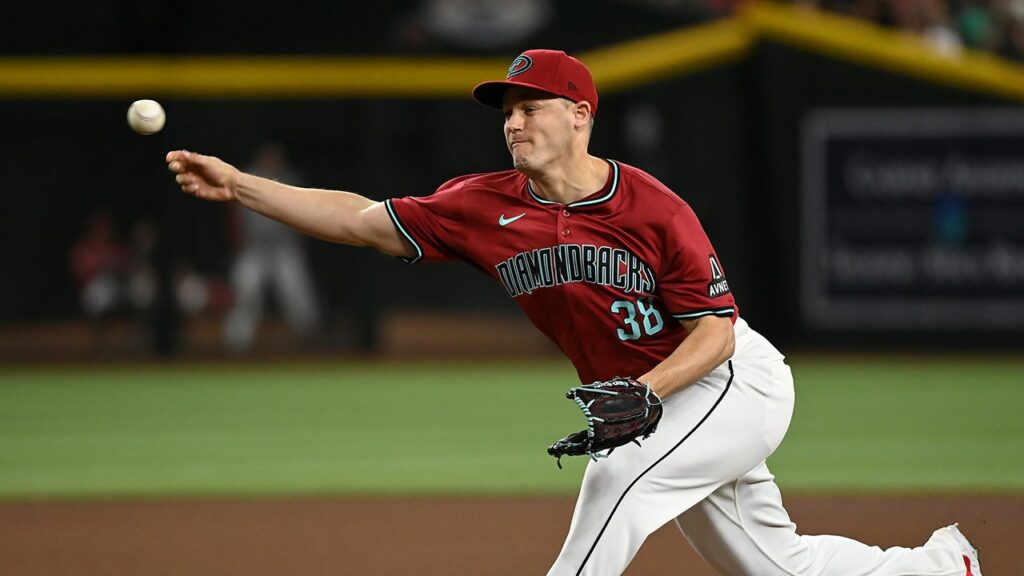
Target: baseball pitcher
(684, 401)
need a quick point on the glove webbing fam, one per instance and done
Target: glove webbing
(585, 408)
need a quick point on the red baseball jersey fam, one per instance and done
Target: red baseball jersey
(607, 278)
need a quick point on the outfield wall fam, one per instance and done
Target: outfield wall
(718, 112)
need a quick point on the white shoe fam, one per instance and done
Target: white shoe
(969, 553)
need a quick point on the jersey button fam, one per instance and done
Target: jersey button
(566, 213)
(565, 232)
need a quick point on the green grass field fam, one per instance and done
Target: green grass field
(169, 430)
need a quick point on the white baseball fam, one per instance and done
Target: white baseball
(146, 117)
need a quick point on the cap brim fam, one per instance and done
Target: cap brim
(493, 93)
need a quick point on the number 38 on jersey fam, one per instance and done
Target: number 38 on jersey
(640, 317)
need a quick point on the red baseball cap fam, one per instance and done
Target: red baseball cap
(551, 71)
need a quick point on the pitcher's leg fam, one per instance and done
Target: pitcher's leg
(742, 529)
(705, 438)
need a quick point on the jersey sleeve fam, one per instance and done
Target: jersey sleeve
(693, 283)
(434, 225)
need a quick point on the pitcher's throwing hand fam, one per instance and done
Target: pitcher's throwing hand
(206, 177)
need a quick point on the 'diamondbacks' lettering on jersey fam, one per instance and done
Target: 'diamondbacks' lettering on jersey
(607, 278)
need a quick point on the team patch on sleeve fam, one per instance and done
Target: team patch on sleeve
(718, 286)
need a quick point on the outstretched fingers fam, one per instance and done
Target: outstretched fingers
(178, 160)
(182, 163)
(187, 182)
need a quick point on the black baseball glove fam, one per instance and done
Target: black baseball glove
(618, 411)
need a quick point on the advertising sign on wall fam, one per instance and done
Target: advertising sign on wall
(912, 218)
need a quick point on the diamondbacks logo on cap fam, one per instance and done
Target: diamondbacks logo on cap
(519, 65)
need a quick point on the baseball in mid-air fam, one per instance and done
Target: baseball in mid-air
(146, 117)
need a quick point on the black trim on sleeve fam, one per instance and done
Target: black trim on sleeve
(724, 312)
(651, 467)
(401, 228)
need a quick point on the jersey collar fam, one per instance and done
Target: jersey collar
(612, 189)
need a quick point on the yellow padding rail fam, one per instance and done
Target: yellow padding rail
(864, 43)
(615, 67)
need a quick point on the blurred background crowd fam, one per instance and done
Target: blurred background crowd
(463, 26)
(104, 252)
(994, 26)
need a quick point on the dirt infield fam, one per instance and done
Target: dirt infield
(426, 537)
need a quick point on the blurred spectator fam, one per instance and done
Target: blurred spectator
(476, 25)
(269, 255)
(140, 274)
(976, 25)
(995, 26)
(192, 290)
(1011, 40)
(928, 19)
(701, 9)
(98, 265)
(117, 283)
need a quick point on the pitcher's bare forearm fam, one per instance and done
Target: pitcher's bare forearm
(332, 215)
(335, 216)
(711, 341)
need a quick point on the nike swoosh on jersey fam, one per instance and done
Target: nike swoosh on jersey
(502, 221)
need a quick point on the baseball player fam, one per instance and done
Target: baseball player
(616, 269)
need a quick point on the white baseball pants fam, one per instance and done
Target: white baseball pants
(705, 468)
